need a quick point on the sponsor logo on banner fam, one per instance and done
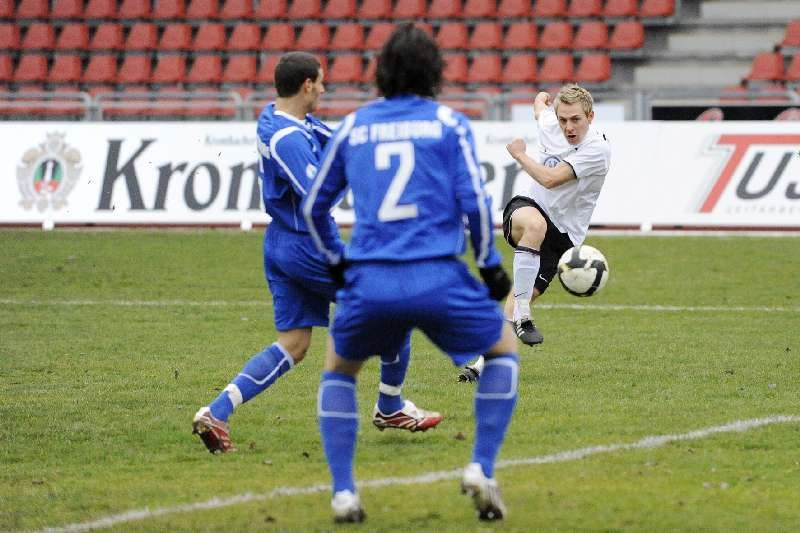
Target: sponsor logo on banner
(761, 175)
(48, 173)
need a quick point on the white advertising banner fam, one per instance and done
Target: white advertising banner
(740, 174)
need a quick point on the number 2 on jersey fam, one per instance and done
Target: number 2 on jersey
(390, 209)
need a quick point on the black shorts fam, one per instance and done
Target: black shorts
(554, 244)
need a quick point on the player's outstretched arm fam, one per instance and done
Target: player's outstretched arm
(547, 177)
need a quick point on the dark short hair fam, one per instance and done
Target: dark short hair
(409, 63)
(293, 69)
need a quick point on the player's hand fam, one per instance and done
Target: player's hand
(544, 97)
(516, 148)
(497, 280)
(337, 272)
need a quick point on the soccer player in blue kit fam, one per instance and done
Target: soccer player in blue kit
(290, 142)
(414, 174)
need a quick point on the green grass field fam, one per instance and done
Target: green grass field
(111, 340)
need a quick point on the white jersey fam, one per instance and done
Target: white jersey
(571, 204)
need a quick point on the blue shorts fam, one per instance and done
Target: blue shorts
(298, 278)
(383, 302)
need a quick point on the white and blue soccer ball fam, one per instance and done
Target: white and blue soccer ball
(583, 270)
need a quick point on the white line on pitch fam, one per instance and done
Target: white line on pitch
(267, 303)
(431, 477)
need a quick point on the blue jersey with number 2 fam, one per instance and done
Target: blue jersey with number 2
(414, 175)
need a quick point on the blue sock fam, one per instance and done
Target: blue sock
(338, 425)
(494, 404)
(258, 373)
(393, 374)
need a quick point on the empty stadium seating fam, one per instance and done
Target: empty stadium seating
(166, 45)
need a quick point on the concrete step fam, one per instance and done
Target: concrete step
(719, 42)
(690, 73)
(765, 10)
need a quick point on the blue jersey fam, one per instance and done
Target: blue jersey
(414, 179)
(290, 151)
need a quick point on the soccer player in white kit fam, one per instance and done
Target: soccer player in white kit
(566, 179)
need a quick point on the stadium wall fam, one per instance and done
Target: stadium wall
(663, 174)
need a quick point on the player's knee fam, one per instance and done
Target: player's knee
(507, 342)
(296, 343)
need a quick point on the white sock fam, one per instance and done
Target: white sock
(478, 364)
(526, 268)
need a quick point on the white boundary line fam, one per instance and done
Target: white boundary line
(267, 303)
(431, 477)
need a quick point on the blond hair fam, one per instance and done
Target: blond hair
(573, 94)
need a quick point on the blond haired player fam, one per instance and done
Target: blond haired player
(566, 179)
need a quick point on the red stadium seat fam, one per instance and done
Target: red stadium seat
(550, 8)
(556, 68)
(171, 68)
(455, 69)
(240, 69)
(479, 9)
(370, 70)
(9, 36)
(133, 102)
(443, 9)
(65, 68)
(304, 9)
(210, 37)
(452, 35)
(40, 35)
(627, 35)
(266, 70)
(134, 9)
(6, 68)
(793, 71)
(657, 8)
(73, 36)
(621, 8)
(313, 36)
(31, 67)
(202, 9)
(142, 36)
(33, 9)
(514, 8)
(176, 37)
(102, 68)
(594, 68)
(520, 36)
(339, 9)
(169, 9)
(7, 10)
(585, 8)
(378, 34)
(556, 35)
(485, 68)
(168, 102)
(592, 34)
(135, 68)
(409, 9)
(486, 35)
(101, 9)
(236, 9)
(375, 9)
(767, 66)
(346, 68)
(520, 68)
(245, 37)
(67, 9)
(205, 69)
(791, 39)
(270, 10)
(107, 36)
(279, 36)
(349, 36)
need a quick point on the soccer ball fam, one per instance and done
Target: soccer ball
(583, 270)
